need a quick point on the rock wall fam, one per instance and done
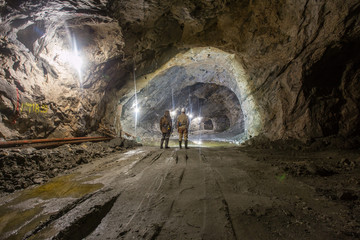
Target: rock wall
(44, 93)
(300, 56)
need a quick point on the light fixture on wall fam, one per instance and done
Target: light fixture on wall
(173, 113)
(73, 59)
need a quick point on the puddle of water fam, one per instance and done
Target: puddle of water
(59, 187)
(45, 233)
(30, 226)
(11, 219)
(20, 220)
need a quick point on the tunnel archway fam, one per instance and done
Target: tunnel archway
(209, 83)
(203, 101)
(208, 125)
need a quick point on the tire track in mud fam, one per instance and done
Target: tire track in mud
(86, 224)
(243, 197)
(146, 197)
(63, 212)
(214, 199)
(141, 160)
(179, 164)
(227, 210)
(152, 200)
(181, 176)
(177, 159)
(159, 227)
(182, 166)
(187, 218)
(226, 205)
(203, 158)
(176, 174)
(139, 166)
(153, 187)
(156, 158)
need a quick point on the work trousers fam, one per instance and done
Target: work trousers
(166, 136)
(183, 131)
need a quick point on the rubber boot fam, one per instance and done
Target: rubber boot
(167, 143)
(180, 144)
(162, 142)
(186, 142)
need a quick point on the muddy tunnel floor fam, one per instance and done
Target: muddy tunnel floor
(199, 193)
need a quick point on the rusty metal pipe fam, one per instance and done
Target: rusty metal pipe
(128, 135)
(32, 141)
(56, 144)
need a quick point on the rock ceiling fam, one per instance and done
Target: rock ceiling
(68, 66)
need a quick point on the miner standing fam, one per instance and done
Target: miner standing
(183, 127)
(166, 128)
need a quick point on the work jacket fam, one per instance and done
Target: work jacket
(183, 121)
(165, 124)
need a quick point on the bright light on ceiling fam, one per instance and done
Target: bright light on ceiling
(173, 113)
(73, 59)
(77, 62)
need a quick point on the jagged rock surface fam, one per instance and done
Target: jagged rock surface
(301, 58)
(28, 166)
(42, 94)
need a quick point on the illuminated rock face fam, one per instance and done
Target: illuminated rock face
(294, 68)
(176, 89)
(290, 50)
(55, 67)
(208, 82)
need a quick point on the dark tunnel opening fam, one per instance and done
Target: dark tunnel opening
(208, 125)
(214, 111)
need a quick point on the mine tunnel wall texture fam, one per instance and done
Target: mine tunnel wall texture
(301, 58)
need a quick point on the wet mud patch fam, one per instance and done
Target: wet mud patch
(26, 211)
(10, 219)
(86, 224)
(59, 187)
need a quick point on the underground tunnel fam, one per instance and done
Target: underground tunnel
(209, 84)
(272, 94)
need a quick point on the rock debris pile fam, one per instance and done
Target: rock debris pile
(311, 144)
(20, 168)
(332, 175)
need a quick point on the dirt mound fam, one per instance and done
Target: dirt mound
(333, 142)
(20, 168)
(332, 173)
